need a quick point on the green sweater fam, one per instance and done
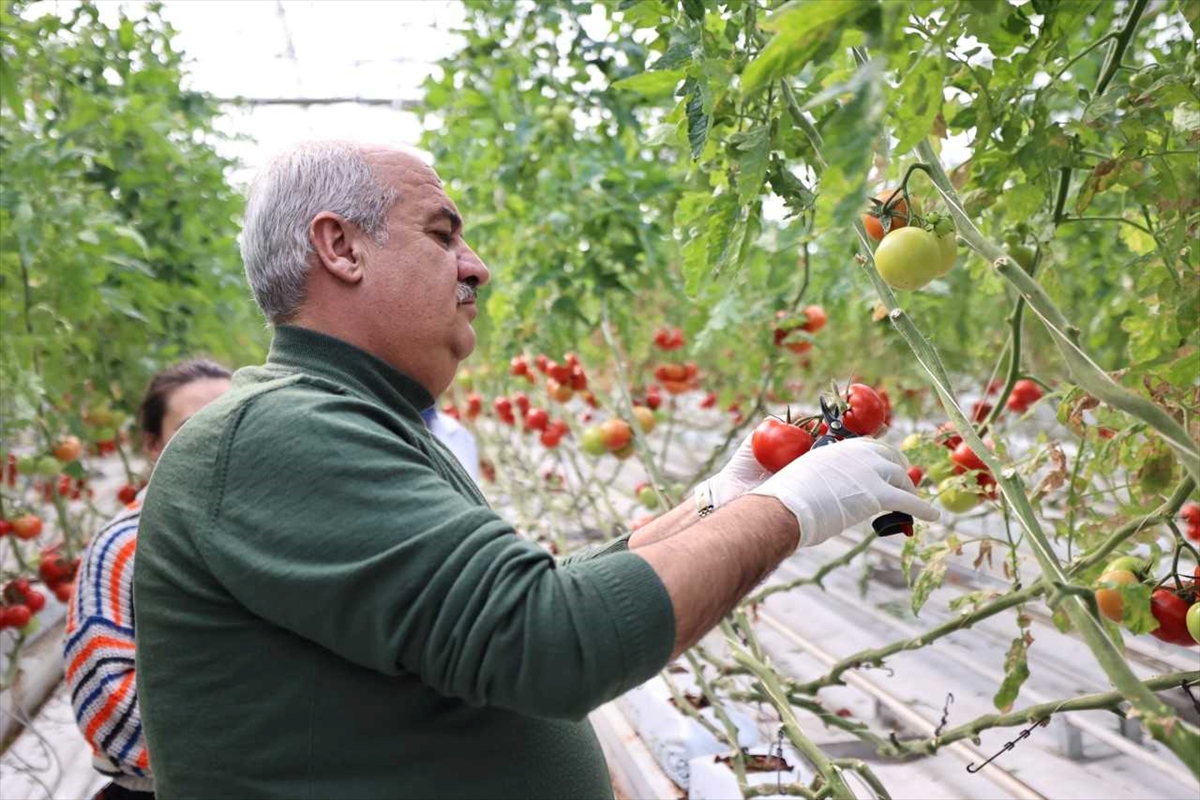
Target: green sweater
(327, 606)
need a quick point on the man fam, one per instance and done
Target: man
(327, 606)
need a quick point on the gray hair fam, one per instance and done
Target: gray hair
(288, 192)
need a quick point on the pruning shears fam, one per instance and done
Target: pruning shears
(887, 524)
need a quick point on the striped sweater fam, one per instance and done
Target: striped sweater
(99, 654)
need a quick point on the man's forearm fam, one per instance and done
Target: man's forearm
(678, 519)
(707, 572)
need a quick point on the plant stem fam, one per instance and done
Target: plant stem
(1087, 702)
(1137, 225)
(816, 577)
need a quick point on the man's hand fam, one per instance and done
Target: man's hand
(835, 487)
(740, 475)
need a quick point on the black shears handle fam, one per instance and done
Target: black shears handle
(888, 524)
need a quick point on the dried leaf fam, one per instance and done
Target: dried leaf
(985, 551)
(1058, 474)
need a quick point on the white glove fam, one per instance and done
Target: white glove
(834, 487)
(740, 475)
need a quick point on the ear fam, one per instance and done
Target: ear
(152, 446)
(335, 241)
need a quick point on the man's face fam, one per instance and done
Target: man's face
(421, 281)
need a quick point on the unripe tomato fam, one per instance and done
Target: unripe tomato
(617, 435)
(47, 467)
(560, 392)
(68, 449)
(1193, 622)
(26, 526)
(867, 411)
(645, 418)
(646, 495)
(777, 444)
(912, 442)
(954, 499)
(898, 213)
(624, 452)
(908, 258)
(1111, 604)
(592, 441)
(942, 228)
(1131, 563)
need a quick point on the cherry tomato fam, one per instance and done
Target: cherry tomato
(5, 527)
(560, 392)
(474, 405)
(1024, 394)
(592, 441)
(709, 400)
(1193, 622)
(777, 444)
(19, 615)
(965, 459)
(127, 493)
(916, 475)
(518, 366)
(948, 436)
(578, 378)
(1112, 605)
(942, 228)
(617, 436)
(645, 418)
(867, 412)
(35, 600)
(26, 526)
(522, 401)
(814, 319)
(908, 258)
(536, 419)
(954, 499)
(980, 411)
(68, 449)
(1190, 513)
(897, 212)
(550, 439)
(646, 496)
(1171, 612)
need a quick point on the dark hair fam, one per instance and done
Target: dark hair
(162, 385)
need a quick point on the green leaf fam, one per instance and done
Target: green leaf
(800, 27)
(697, 117)
(753, 148)
(654, 85)
(1185, 117)
(1016, 672)
(694, 9)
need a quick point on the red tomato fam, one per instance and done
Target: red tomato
(68, 449)
(777, 444)
(550, 439)
(5, 527)
(26, 526)
(518, 366)
(522, 401)
(127, 493)
(1190, 513)
(536, 419)
(502, 406)
(653, 398)
(965, 460)
(451, 410)
(814, 319)
(18, 615)
(948, 436)
(980, 411)
(35, 600)
(867, 412)
(709, 400)
(916, 475)
(560, 372)
(578, 378)
(570, 359)
(474, 405)
(1024, 394)
(898, 213)
(1171, 612)
(62, 591)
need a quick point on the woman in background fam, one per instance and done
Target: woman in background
(100, 626)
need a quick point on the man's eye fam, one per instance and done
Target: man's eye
(444, 238)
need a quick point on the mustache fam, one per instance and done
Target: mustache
(465, 293)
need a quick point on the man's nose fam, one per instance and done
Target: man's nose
(470, 266)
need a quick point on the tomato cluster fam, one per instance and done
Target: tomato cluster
(777, 443)
(793, 330)
(678, 378)
(912, 251)
(1175, 606)
(1190, 514)
(668, 338)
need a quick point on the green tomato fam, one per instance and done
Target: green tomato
(947, 239)
(1130, 563)
(911, 442)
(908, 258)
(27, 465)
(1193, 622)
(954, 499)
(592, 441)
(48, 467)
(647, 497)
